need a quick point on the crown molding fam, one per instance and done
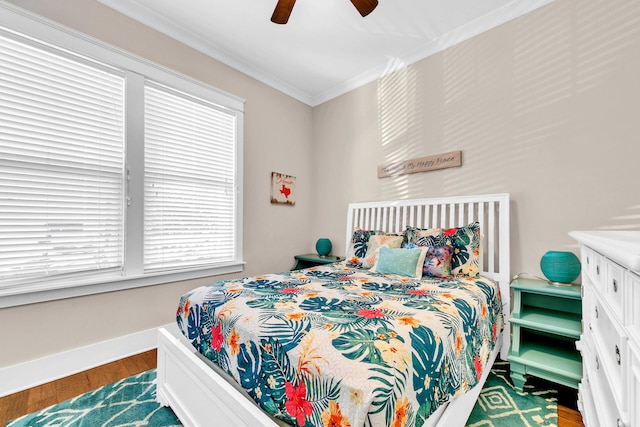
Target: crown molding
(506, 13)
(478, 26)
(148, 17)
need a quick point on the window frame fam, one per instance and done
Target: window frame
(137, 70)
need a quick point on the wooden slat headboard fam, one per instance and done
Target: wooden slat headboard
(491, 211)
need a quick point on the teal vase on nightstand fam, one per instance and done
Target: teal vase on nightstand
(560, 267)
(323, 247)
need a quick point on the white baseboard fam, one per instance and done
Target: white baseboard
(40, 371)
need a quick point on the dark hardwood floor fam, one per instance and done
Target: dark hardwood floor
(568, 415)
(36, 398)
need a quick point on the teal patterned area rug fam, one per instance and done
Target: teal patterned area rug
(132, 402)
(129, 402)
(500, 405)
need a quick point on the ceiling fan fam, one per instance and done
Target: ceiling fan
(284, 7)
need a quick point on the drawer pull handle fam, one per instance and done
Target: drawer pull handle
(596, 312)
(615, 285)
(597, 363)
(618, 354)
(619, 423)
(598, 270)
(590, 327)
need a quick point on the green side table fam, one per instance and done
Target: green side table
(313, 260)
(546, 323)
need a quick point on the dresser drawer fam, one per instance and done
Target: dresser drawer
(588, 307)
(586, 405)
(593, 266)
(614, 288)
(634, 386)
(609, 412)
(609, 348)
(632, 309)
(588, 312)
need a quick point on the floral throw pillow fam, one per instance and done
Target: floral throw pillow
(375, 243)
(437, 262)
(359, 245)
(465, 243)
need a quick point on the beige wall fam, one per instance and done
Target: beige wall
(544, 107)
(278, 132)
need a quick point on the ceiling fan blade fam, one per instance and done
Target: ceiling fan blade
(365, 7)
(282, 11)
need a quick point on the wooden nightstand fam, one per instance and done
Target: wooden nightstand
(547, 322)
(312, 260)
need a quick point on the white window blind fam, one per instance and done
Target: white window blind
(190, 161)
(61, 163)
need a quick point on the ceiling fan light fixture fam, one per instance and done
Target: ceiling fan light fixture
(282, 11)
(365, 7)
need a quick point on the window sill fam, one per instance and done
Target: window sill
(30, 295)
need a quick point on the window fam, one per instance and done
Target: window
(114, 172)
(189, 181)
(61, 174)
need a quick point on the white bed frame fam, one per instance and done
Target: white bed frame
(202, 396)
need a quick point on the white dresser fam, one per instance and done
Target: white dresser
(609, 393)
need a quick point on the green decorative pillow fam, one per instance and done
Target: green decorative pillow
(404, 262)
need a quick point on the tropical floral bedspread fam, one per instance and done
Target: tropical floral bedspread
(341, 346)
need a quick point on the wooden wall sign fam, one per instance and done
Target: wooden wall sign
(422, 164)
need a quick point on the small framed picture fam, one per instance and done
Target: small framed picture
(283, 189)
